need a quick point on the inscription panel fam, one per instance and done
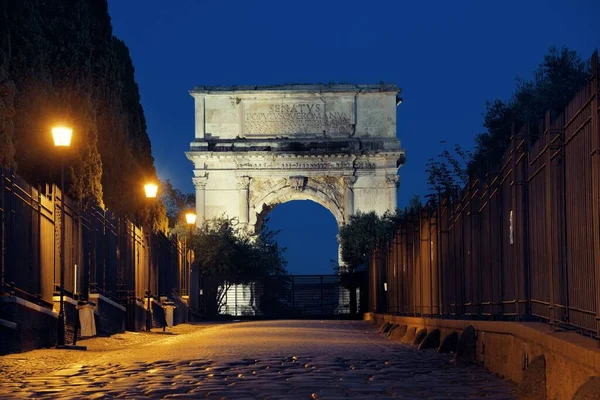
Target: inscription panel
(308, 165)
(298, 116)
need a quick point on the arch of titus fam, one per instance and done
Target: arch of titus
(257, 147)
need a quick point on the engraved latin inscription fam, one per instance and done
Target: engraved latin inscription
(293, 118)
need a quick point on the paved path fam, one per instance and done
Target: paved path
(257, 360)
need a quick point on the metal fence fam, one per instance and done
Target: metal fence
(522, 243)
(103, 254)
(287, 296)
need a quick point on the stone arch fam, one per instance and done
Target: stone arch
(295, 188)
(256, 147)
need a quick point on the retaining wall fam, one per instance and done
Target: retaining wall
(507, 349)
(25, 326)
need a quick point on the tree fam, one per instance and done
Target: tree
(60, 63)
(448, 173)
(359, 237)
(176, 202)
(555, 81)
(226, 255)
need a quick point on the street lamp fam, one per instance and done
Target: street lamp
(151, 189)
(190, 218)
(62, 138)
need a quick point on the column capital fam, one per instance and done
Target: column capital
(200, 182)
(349, 181)
(243, 182)
(393, 180)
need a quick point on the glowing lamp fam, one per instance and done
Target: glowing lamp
(62, 136)
(190, 218)
(151, 189)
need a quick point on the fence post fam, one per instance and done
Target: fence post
(595, 86)
(440, 279)
(515, 253)
(548, 215)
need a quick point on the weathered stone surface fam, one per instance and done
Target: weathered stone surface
(419, 336)
(466, 350)
(589, 390)
(431, 341)
(255, 148)
(409, 337)
(290, 360)
(449, 344)
(398, 333)
(533, 385)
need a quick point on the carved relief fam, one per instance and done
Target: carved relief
(261, 187)
(349, 181)
(392, 180)
(296, 182)
(243, 182)
(331, 186)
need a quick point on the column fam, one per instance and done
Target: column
(349, 195)
(393, 180)
(243, 188)
(199, 117)
(200, 185)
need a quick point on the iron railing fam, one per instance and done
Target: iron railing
(522, 243)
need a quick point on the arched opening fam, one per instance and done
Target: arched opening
(309, 233)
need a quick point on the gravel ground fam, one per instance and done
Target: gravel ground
(251, 360)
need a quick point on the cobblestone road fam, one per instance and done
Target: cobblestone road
(252, 360)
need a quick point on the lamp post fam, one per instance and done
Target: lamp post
(62, 138)
(151, 189)
(190, 219)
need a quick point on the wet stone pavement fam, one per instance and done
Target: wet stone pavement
(264, 360)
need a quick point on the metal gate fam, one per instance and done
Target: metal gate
(288, 296)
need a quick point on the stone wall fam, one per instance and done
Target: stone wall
(180, 315)
(110, 316)
(508, 349)
(140, 316)
(25, 326)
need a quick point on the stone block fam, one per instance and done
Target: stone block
(35, 326)
(466, 350)
(431, 341)
(420, 335)
(391, 330)
(110, 318)
(449, 343)
(533, 385)
(589, 390)
(383, 328)
(409, 337)
(398, 333)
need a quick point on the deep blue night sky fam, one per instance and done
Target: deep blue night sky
(448, 57)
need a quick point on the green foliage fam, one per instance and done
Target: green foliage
(556, 80)
(176, 203)
(7, 95)
(60, 64)
(223, 249)
(230, 256)
(447, 173)
(363, 232)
